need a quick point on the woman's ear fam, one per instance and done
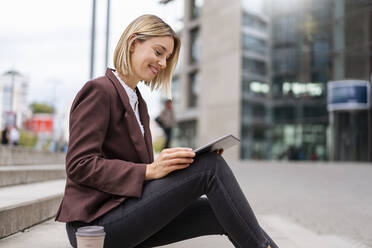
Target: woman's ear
(131, 49)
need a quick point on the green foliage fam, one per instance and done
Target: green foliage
(38, 108)
(27, 139)
(158, 144)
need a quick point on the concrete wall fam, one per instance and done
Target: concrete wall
(220, 72)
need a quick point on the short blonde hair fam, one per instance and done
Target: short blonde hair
(141, 29)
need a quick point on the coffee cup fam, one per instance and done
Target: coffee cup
(90, 237)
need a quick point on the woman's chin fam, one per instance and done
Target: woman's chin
(149, 78)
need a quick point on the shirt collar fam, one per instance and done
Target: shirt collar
(133, 98)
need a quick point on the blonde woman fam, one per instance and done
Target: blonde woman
(112, 178)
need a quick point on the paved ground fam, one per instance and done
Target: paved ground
(300, 204)
(329, 199)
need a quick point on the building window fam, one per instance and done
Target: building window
(252, 87)
(285, 60)
(196, 8)
(251, 43)
(254, 22)
(285, 114)
(195, 45)
(285, 29)
(193, 91)
(254, 66)
(254, 144)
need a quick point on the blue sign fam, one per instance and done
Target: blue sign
(348, 95)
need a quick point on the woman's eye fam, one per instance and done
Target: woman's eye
(157, 53)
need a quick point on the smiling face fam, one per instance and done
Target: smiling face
(150, 56)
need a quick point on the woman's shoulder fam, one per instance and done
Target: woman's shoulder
(98, 88)
(101, 84)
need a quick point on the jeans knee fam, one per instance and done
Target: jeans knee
(211, 161)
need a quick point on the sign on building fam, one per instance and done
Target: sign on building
(348, 95)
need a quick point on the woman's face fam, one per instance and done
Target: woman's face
(150, 56)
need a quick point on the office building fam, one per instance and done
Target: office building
(259, 70)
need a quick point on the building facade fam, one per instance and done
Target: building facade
(259, 70)
(13, 98)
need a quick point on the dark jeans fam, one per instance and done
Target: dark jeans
(171, 209)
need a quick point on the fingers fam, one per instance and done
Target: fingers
(165, 167)
(172, 159)
(178, 153)
(178, 161)
(177, 149)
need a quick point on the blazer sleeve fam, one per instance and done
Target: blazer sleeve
(85, 165)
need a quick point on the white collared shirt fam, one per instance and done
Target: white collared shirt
(133, 100)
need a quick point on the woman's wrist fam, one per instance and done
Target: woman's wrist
(149, 172)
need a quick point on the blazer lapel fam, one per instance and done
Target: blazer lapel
(145, 119)
(133, 128)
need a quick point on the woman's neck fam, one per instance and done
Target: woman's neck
(129, 80)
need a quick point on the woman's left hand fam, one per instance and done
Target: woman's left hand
(219, 152)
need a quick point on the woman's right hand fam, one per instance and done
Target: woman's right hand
(169, 160)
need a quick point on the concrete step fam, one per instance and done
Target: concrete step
(23, 206)
(10, 155)
(22, 174)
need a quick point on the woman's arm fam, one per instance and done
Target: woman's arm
(85, 164)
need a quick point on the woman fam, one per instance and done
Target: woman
(112, 178)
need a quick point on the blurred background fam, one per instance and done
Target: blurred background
(290, 78)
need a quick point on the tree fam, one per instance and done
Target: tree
(38, 108)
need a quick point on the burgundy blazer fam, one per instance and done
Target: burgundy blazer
(107, 153)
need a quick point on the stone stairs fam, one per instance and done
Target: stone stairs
(30, 194)
(16, 155)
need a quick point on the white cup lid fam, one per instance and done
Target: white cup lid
(90, 231)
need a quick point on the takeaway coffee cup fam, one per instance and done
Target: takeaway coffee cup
(90, 237)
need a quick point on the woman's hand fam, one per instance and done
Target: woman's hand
(220, 152)
(169, 160)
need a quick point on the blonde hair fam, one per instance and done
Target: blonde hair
(141, 29)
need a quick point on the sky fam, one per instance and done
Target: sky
(48, 41)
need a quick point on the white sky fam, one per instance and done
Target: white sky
(49, 42)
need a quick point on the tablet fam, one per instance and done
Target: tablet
(223, 142)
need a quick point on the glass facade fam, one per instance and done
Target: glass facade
(284, 107)
(252, 43)
(254, 66)
(254, 22)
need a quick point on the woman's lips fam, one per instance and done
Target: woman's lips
(154, 70)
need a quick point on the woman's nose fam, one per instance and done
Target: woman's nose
(162, 63)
